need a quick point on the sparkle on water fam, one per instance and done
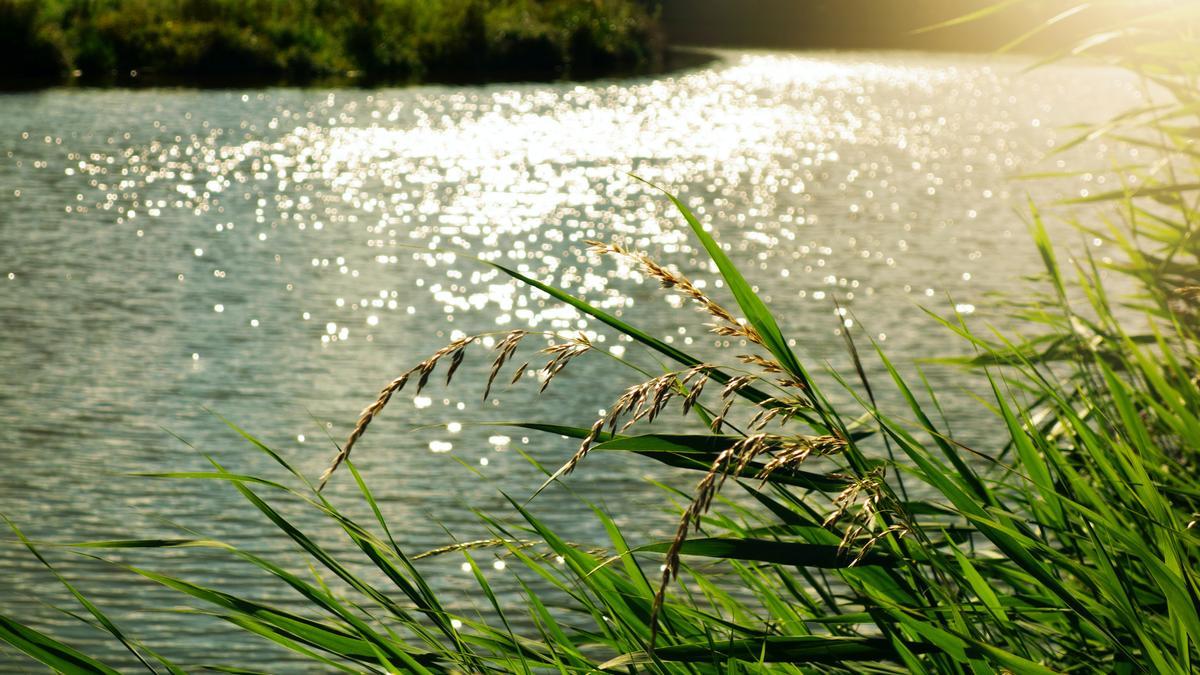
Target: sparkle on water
(276, 256)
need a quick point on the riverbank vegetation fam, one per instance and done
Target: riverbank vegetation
(223, 41)
(822, 536)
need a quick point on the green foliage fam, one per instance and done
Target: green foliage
(108, 40)
(30, 46)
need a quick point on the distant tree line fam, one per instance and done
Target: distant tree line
(303, 40)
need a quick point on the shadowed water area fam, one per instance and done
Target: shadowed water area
(276, 256)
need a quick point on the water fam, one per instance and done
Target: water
(268, 255)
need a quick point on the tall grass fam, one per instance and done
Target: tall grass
(860, 539)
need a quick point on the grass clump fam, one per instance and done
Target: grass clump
(860, 539)
(126, 41)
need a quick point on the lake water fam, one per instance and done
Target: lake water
(165, 253)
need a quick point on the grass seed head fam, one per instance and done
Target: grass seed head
(455, 351)
(726, 323)
(504, 349)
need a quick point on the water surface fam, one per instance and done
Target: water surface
(268, 255)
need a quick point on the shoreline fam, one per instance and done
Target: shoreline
(675, 59)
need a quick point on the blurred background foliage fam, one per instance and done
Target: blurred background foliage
(117, 41)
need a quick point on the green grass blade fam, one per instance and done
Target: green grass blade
(788, 649)
(48, 651)
(772, 551)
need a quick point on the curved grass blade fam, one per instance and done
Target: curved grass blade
(417, 589)
(695, 452)
(751, 305)
(698, 452)
(773, 551)
(789, 649)
(1121, 195)
(48, 651)
(106, 623)
(970, 17)
(291, 626)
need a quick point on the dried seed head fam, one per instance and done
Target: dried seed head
(736, 384)
(726, 323)
(792, 451)
(875, 510)
(733, 459)
(696, 388)
(643, 401)
(1189, 293)
(792, 383)
(454, 350)
(456, 360)
(766, 364)
(364, 419)
(762, 417)
(584, 447)
(561, 355)
(474, 545)
(737, 329)
(869, 485)
(897, 529)
(718, 422)
(504, 351)
(519, 372)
